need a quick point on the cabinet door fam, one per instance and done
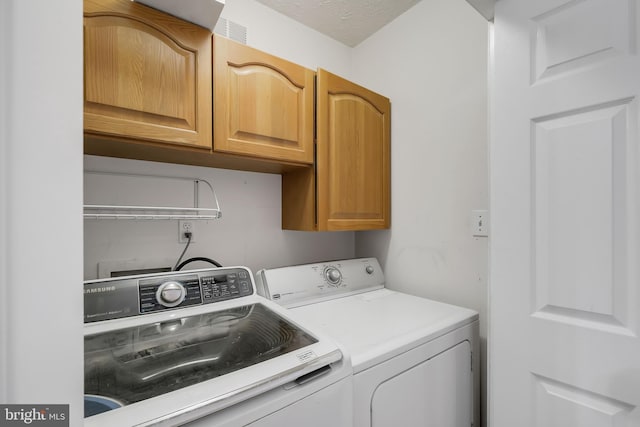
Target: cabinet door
(353, 156)
(263, 105)
(147, 75)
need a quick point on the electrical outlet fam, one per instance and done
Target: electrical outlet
(186, 226)
(480, 223)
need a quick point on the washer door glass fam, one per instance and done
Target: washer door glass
(134, 364)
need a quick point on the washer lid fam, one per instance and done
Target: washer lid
(173, 367)
(375, 326)
(137, 363)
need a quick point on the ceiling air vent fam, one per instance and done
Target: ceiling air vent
(231, 30)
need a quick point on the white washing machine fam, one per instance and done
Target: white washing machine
(415, 360)
(201, 348)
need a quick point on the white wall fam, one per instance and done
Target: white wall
(249, 233)
(279, 35)
(432, 63)
(40, 203)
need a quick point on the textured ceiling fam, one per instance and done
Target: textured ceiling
(348, 21)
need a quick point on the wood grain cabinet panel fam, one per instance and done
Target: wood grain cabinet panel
(353, 165)
(263, 105)
(351, 182)
(147, 75)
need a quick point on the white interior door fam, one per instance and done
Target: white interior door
(565, 294)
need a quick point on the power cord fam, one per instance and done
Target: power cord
(179, 266)
(199, 258)
(188, 235)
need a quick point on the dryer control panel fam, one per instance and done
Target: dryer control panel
(309, 283)
(115, 298)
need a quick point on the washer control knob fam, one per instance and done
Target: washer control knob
(369, 269)
(170, 294)
(333, 276)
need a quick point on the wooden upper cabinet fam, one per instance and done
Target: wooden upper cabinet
(263, 105)
(349, 187)
(353, 156)
(147, 75)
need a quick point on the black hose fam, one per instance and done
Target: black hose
(198, 258)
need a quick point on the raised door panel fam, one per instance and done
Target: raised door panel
(353, 164)
(263, 105)
(147, 74)
(565, 197)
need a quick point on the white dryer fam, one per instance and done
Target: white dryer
(415, 360)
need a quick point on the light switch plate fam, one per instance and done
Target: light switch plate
(480, 223)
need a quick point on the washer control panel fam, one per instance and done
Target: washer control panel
(160, 293)
(170, 294)
(134, 295)
(333, 276)
(221, 287)
(309, 283)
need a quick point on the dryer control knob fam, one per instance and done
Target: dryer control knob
(170, 294)
(333, 276)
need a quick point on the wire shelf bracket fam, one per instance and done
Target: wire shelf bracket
(195, 212)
